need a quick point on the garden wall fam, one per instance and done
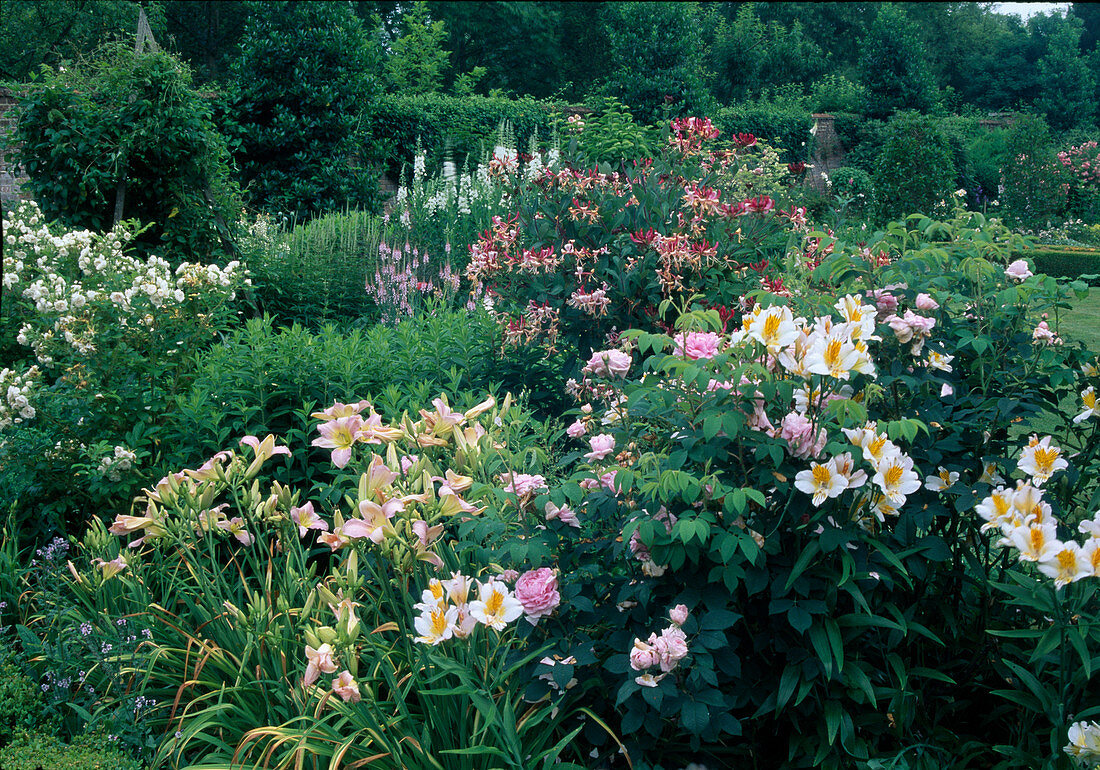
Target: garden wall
(11, 177)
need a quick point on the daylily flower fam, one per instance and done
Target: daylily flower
(112, 567)
(320, 662)
(346, 687)
(306, 518)
(340, 436)
(263, 450)
(374, 523)
(338, 410)
(235, 527)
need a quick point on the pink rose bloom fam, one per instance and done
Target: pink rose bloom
(643, 656)
(696, 345)
(925, 302)
(508, 575)
(346, 687)
(589, 484)
(715, 385)
(1044, 333)
(565, 514)
(608, 363)
(522, 483)
(672, 647)
(1018, 270)
(901, 329)
(577, 429)
(537, 591)
(679, 614)
(946, 390)
(798, 431)
(602, 445)
(607, 481)
(884, 301)
(921, 325)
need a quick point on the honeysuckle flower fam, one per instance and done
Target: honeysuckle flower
(1018, 270)
(942, 480)
(339, 435)
(1036, 542)
(495, 606)
(696, 345)
(821, 481)
(774, 327)
(895, 476)
(1066, 565)
(1040, 460)
(1084, 741)
(346, 687)
(306, 519)
(602, 445)
(1088, 398)
(321, 661)
(565, 514)
(436, 625)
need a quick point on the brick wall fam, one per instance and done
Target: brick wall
(828, 152)
(11, 177)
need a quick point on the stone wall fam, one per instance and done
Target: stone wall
(11, 176)
(828, 152)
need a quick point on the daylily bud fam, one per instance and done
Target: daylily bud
(327, 634)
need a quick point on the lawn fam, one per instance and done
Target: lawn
(1083, 322)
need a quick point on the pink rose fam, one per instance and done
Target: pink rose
(565, 514)
(576, 430)
(679, 614)
(946, 390)
(1044, 333)
(884, 301)
(608, 363)
(798, 431)
(522, 483)
(602, 445)
(925, 302)
(1018, 270)
(643, 656)
(696, 345)
(672, 647)
(537, 591)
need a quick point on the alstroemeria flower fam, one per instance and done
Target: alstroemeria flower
(436, 625)
(495, 606)
(1040, 460)
(1066, 565)
(821, 481)
(896, 478)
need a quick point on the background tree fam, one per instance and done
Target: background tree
(205, 33)
(893, 65)
(655, 57)
(1067, 82)
(418, 61)
(304, 74)
(51, 31)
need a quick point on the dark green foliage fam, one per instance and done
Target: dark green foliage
(204, 33)
(655, 59)
(469, 124)
(611, 136)
(315, 273)
(855, 185)
(52, 31)
(20, 702)
(1068, 262)
(893, 65)
(129, 127)
(915, 170)
(1033, 193)
(1067, 80)
(418, 62)
(786, 128)
(39, 751)
(299, 86)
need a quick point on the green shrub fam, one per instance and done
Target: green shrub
(855, 186)
(38, 751)
(304, 75)
(316, 272)
(861, 138)
(128, 128)
(915, 169)
(1064, 261)
(784, 127)
(463, 126)
(20, 702)
(836, 93)
(610, 135)
(1034, 194)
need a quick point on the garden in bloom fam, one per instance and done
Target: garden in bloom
(623, 451)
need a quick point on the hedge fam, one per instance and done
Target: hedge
(1064, 261)
(470, 123)
(783, 127)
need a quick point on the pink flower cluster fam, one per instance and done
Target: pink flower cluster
(911, 328)
(696, 345)
(608, 363)
(664, 651)
(522, 484)
(798, 431)
(537, 591)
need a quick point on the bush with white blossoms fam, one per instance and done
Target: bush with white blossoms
(18, 389)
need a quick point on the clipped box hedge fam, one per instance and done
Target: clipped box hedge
(470, 122)
(787, 128)
(1064, 261)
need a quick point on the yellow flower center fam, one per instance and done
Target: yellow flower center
(771, 326)
(1044, 460)
(892, 477)
(439, 622)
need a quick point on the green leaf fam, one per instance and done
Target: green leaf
(695, 716)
